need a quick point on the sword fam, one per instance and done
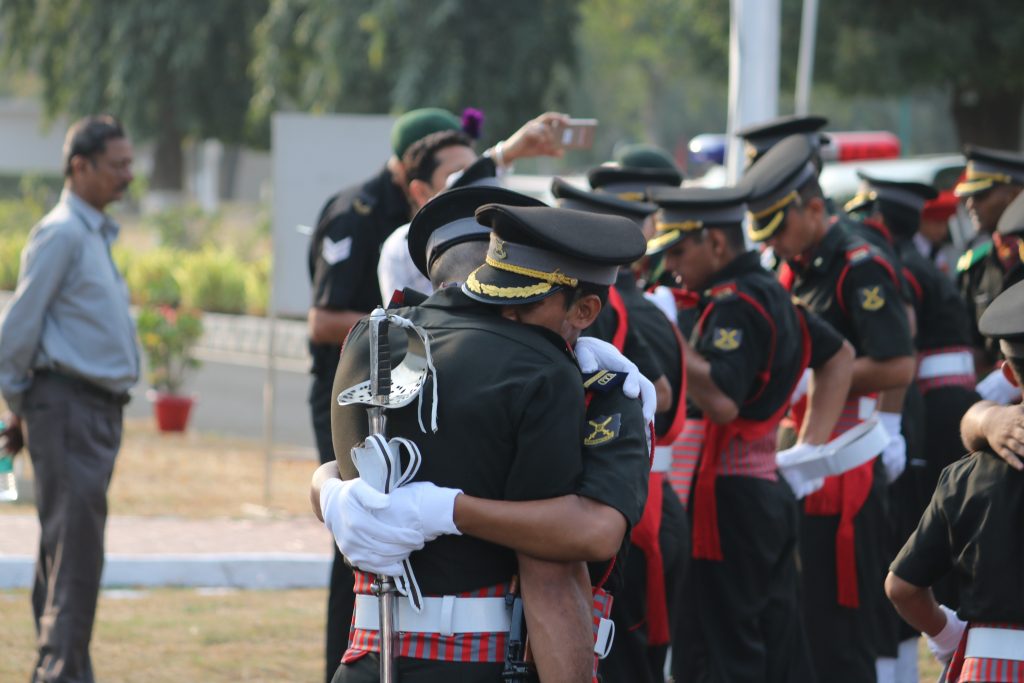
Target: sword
(380, 388)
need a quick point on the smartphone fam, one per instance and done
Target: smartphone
(578, 133)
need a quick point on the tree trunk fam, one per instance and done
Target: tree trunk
(989, 118)
(168, 160)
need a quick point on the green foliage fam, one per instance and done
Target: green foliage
(11, 245)
(511, 59)
(168, 69)
(168, 336)
(185, 227)
(152, 277)
(213, 280)
(257, 286)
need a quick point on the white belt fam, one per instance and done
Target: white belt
(446, 615)
(946, 365)
(662, 459)
(984, 642)
(449, 615)
(851, 449)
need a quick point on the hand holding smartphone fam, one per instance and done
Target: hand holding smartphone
(577, 133)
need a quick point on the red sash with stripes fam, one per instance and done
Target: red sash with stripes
(460, 647)
(843, 495)
(967, 381)
(963, 669)
(707, 544)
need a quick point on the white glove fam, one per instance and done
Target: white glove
(801, 387)
(423, 507)
(995, 387)
(894, 456)
(350, 511)
(802, 485)
(662, 298)
(595, 354)
(945, 642)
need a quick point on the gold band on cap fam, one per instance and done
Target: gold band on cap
(684, 226)
(860, 199)
(661, 240)
(554, 278)
(978, 181)
(631, 196)
(769, 210)
(765, 232)
(754, 217)
(506, 292)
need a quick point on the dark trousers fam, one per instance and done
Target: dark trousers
(747, 606)
(367, 670)
(340, 599)
(844, 640)
(632, 659)
(73, 436)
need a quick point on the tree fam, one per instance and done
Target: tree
(168, 70)
(510, 59)
(973, 50)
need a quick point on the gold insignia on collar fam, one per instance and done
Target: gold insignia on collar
(727, 339)
(871, 298)
(604, 430)
(361, 207)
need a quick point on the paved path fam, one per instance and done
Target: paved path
(161, 551)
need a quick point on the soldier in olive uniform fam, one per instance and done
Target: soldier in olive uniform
(971, 529)
(645, 608)
(993, 179)
(851, 286)
(538, 271)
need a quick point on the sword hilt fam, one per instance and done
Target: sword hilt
(380, 371)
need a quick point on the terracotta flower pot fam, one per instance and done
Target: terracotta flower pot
(171, 410)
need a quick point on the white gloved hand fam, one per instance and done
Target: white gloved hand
(894, 455)
(423, 507)
(801, 387)
(995, 387)
(801, 484)
(662, 298)
(945, 642)
(594, 354)
(350, 510)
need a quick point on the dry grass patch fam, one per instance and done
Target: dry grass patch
(175, 635)
(198, 475)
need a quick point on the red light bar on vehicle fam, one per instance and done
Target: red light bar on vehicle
(860, 145)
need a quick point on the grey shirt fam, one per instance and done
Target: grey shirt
(70, 311)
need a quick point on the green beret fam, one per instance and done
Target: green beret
(644, 156)
(419, 123)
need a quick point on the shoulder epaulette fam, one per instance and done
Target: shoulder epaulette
(972, 256)
(726, 290)
(363, 203)
(858, 254)
(603, 380)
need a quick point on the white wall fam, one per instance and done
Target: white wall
(26, 144)
(313, 158)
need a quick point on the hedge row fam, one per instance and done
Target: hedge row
(212, 279)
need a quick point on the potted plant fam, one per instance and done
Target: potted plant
(168, 335)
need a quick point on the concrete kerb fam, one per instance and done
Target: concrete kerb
(259, 571)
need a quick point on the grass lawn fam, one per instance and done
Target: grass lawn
(184, 636)
(197, 475)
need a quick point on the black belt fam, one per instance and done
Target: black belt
(120, 399)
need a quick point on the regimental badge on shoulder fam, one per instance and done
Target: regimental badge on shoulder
(603, 429)
(722, 292)
(871, 298)
(727, 338)
(361, 206)
(858, 254)
(603, 380)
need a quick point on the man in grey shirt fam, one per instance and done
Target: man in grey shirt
(68, 357)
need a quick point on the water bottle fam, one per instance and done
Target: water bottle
(8, 485)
